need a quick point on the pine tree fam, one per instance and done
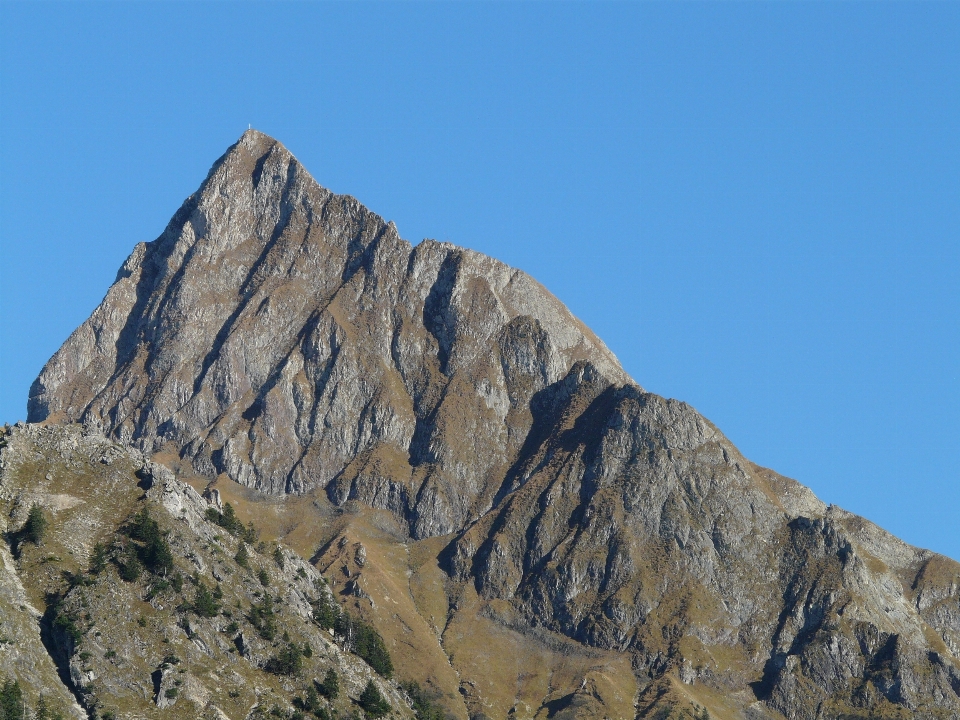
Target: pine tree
(331, 684)
(36, 526)
(204, 603)
(242, 557)
(12, 706)
(98, 559)
(373, 703)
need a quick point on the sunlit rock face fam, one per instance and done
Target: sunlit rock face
(289, 338)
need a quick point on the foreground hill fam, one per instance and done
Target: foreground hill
(135, 603)
(533, 533)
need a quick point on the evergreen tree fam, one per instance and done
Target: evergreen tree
(12, 706)
(311, 700)
(204, 603)
(262, 618)
(423, 706)
(371, 647)
(331, 684)
(325, 612)
(242, 557)
(289, 661)
(36, 526)
(372, 702)
(249, 534)
(98, 559)
(131, 569)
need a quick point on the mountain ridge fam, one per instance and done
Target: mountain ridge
(286, 339)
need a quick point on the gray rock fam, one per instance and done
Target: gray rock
(289, 338)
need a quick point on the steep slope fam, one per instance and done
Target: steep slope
(448, 414)
(143, 644)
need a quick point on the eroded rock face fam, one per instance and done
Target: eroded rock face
(289, 338)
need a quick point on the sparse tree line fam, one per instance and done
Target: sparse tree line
(357, 636)
(13, 705)
(141, 550)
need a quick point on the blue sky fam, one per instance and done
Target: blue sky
(757, 206)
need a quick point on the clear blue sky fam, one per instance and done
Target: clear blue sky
(757, 206)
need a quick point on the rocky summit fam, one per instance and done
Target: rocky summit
(529, 532)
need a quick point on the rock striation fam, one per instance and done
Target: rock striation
(287, 338)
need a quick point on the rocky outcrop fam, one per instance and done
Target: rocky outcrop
(289, 338)
(133, 646)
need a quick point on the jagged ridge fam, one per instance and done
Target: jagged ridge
(289, 338)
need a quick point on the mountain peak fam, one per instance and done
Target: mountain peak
(284, 339)
(275, 330)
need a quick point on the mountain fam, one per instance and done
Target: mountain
(531, 531)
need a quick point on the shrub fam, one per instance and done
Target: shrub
(171, 692)
(263, 577)
(373, 703)
(35, 528)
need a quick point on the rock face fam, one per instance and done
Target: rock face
(290, 339)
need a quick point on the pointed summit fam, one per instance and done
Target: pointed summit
(275, 331)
